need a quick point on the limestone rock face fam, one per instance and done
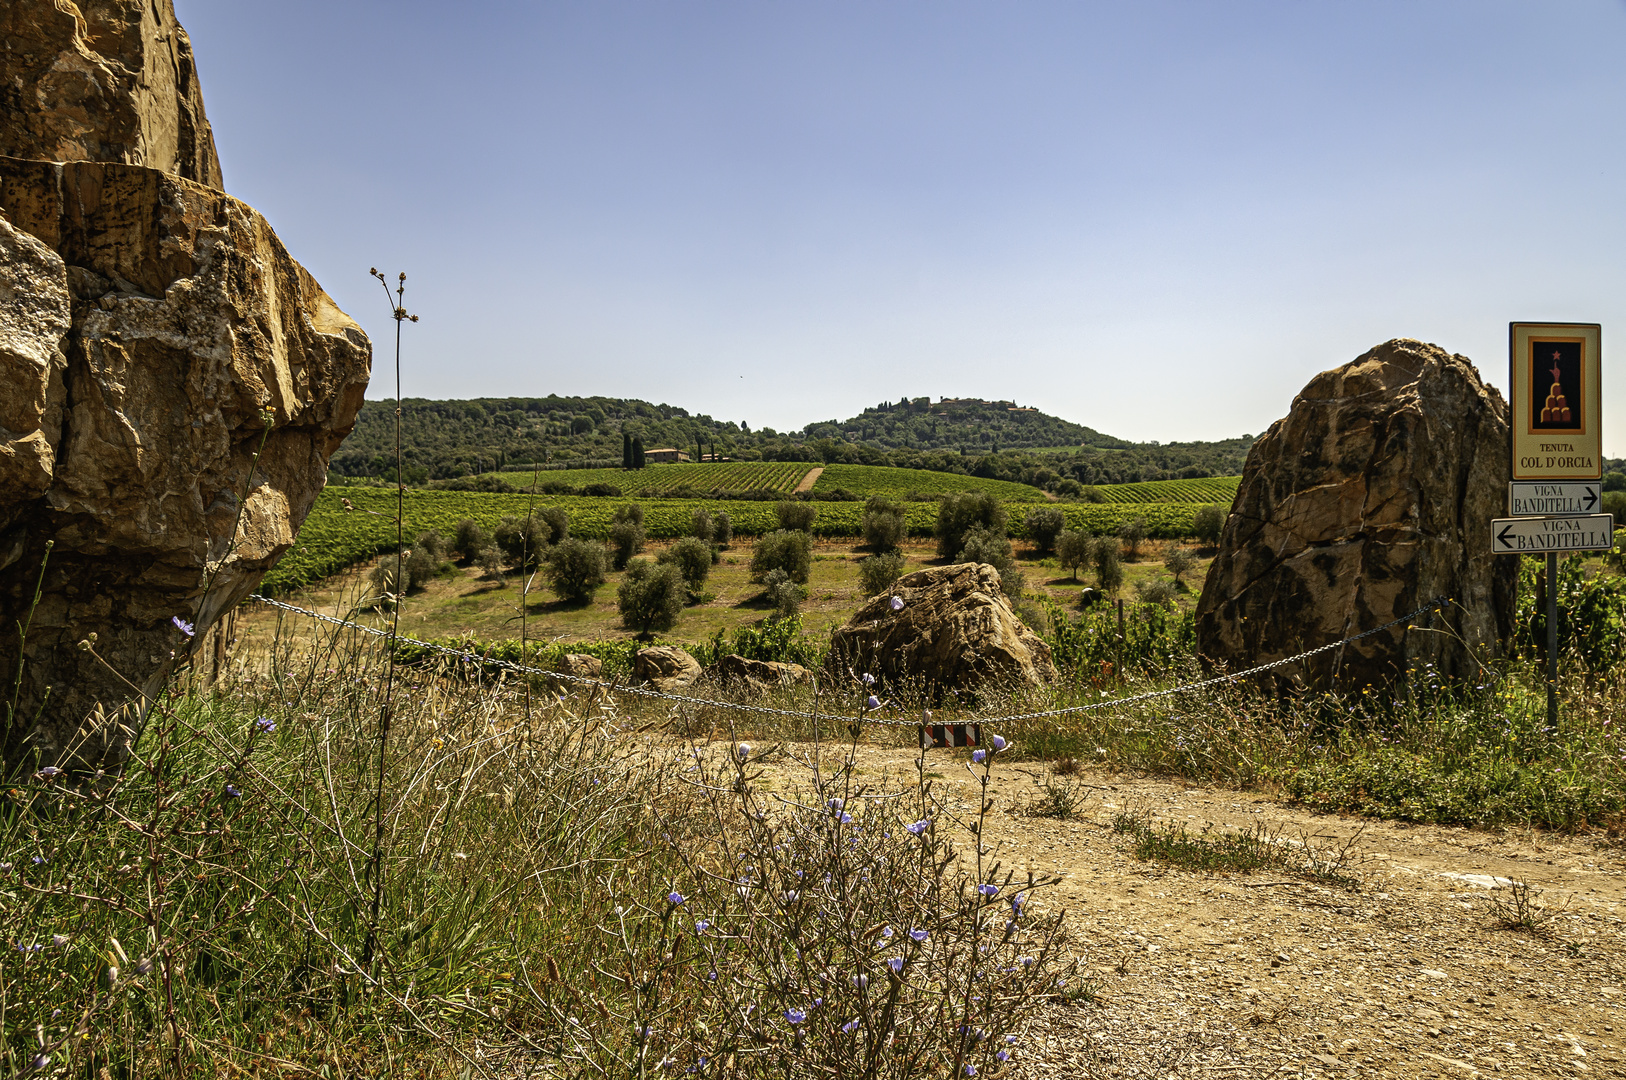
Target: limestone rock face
(103, 80)
(756, 676)
(665, 667)
(159, 325)
(1371, 497)
(955, 632)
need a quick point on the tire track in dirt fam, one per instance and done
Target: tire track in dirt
(810, 479)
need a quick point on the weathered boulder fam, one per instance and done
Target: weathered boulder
(955, 631)
(103, 80)
(1370, 498)
(756, 676)
(194, 348)
(577, 666)
(665, 667)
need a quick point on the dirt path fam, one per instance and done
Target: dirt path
(810, 479)
(1271, 975)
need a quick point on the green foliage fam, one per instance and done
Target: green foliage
(784, 549)
(979, 545)
(1132, 533)
(1179, 561)
(876, 573)
(470, 539)
(692, 556)
(524, 541)
(575, 568)
(1614, 502)
(1487, 787)
(798, 516)
(780, 640)
(651, 597)
(1207, 524)
(1109, 571)
(1149, 591)
(626, 540)
(784, 593)
(706, 476)
(722, 529)
(917, 485)
(1043, 525)
(884, 523)
(1212, 489)
(334, 538)
(1156, 639)
(701, 524)
(1073, 550)
(1591, 616)
(960, 513)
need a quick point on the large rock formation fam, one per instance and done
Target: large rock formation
(156, 340)
(954, 631)
(103, 80)
(1373, 496)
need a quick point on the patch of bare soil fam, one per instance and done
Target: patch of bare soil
(810, 479)
(1403, 974)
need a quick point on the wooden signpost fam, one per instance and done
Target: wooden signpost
(1557, 456)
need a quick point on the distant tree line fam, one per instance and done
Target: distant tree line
(443, 440)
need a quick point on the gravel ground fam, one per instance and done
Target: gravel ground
(1403, 974)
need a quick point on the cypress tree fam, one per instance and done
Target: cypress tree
(637, 451)
(626, 450)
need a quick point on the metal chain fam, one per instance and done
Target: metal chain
(864, 717)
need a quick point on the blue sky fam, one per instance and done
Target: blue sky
(1157, 219)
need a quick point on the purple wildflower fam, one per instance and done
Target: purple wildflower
(897, 603)
(795, 1016)
(896, 964)
(182, 625)
(920, 826)
(989, 891)
(674, 897)
(265, 724)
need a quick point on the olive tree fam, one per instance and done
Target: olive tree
(651, 597)
(784, 549)
(1043, 525)
(575, 568)
(1073, 550)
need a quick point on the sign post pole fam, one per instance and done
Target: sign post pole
(1552, 639)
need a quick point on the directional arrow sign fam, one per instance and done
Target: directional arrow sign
(1530, 499)
(1533, 535)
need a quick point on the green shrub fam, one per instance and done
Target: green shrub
(1132, 532)
(1614, 502)
(575, 568)
(692, 556)
(1073, 550)
(982, 546)
(783, 549)
(1179, 561)
(417, 568)
(626, 540)
(470, 539)
(1155, 592)
(796, 516)
(701, 524)
(784, 594)
(523, 541)
(1043, 525)
(1207, 523)
(722, 529)
(433, 543)
(883, 523)
(1109, 571)
(959, 513)
(651, 597)
(876, 573)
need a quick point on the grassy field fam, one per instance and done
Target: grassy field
(469, 604)
(334, 537)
